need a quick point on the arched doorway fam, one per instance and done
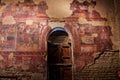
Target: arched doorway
(59, 60)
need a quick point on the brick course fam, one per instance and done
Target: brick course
(104, 68)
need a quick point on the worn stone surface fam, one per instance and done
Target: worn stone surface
(104, 68)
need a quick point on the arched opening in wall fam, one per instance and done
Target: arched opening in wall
(59, 55)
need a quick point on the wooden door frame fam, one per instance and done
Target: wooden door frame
(72, 55)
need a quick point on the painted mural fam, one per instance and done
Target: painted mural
(28, 37)
(22, 26)
(24, 29)
(20, 62)
(90, 34)
(7, 37)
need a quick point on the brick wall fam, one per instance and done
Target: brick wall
(104, 68)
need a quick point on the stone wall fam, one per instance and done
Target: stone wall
(104, 68)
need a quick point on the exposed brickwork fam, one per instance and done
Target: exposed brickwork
(104, 68)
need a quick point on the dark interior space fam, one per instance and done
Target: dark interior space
(59, 55)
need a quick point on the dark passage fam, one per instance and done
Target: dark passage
(59, 56)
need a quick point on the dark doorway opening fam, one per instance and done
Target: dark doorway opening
(59, 60)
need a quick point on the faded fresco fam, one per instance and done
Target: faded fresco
(7, 37)
(24, 29)
(21, 25)
(28, 37)
(90, 33)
